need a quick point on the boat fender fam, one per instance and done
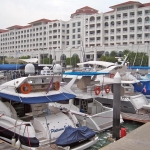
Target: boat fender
(57, 85)
(84, 122)
(18, 144)
(97, 90)
(112, 75)
(107, 89)
(13, 141)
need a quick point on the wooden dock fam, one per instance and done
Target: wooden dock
(143, 118)
(137, 139)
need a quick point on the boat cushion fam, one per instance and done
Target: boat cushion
(147, 107)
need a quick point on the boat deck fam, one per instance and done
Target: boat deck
(138, 139)
(143, 118)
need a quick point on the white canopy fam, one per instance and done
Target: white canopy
(31, 60)
(101, 63)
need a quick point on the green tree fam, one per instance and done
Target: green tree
(72, 61)
(113, 54)
(47, 61)
(25, 57)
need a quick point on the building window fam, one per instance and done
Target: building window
(73, 36)
(67, 25)
(73, 42)
(79, 23)
(79, 42)
(79, 30)
(73, 25)
(73, 30)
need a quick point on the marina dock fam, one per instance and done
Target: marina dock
(138, 139)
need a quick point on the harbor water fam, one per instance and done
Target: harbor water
(103, 141)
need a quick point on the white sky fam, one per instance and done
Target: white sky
(21, 12)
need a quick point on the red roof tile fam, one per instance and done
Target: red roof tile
(126, 3)
(2, 30)
(109, 12)
(145, 5)
(85, 10)
(41, 20)
(15, 26)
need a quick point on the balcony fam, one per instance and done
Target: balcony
(118, 32)
(140, 30)
(118, 18)
(118, 39)
(92, 41)
(139, 14)
(132, 16)
(98, 20)
(98, 26)
(92, 27)
(124, 24)
(93, 34)
(111, 32)
(111, 40)
(106, 33)
(112, 18)
(147, 22)
(147, 30)
(132, 23)
(124, 39)
(131, 38)
(106, 26)
(139, 22)
(132, 30)
(112, 26)
(118, 25)
(125, 17)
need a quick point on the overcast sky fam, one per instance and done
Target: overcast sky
(21, 12)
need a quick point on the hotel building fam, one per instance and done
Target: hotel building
(127, 26)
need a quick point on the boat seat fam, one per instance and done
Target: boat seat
(147, 107)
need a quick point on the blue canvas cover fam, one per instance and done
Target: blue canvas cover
(40, 99)
(85, 73)
(11, 66)
(139, 67)
(72, 135)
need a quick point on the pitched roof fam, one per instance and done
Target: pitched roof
(2, 30)
(15, 26)
(126, 3)
(109, 12)
(41, 20)
(145, 5)
(85, 10)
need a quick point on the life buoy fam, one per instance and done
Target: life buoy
(57, 85)
(112, 75)
(107, 89)
(25, 88)
(97, 90)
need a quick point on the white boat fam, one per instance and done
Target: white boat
(133, 104)
(85, 106)
(33, 123)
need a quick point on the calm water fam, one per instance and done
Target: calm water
(129, 125)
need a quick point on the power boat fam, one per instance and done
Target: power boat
(134, 105)
(26, 117)
(85, 106)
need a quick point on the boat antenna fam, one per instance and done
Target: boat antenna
(136, 54)
(143, 56)
(124, 61)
